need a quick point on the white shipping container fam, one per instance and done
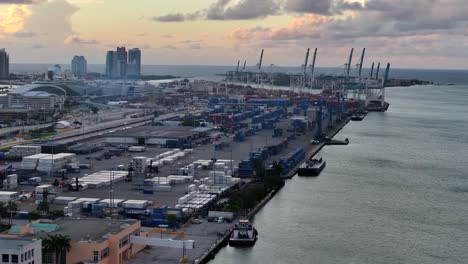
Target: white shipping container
(62, 200)
(137, 204)
(8, 196)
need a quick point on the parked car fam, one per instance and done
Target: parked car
(197, 221)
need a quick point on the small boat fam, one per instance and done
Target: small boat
(312, 167)
(243, 235)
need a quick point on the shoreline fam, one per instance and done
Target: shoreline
(216, 247)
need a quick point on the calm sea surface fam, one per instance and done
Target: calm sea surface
(442, 76)
(397, 194)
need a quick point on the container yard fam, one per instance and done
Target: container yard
(186, 164)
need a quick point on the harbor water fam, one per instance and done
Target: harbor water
(397, 194)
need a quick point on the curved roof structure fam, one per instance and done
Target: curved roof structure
(38, 93)
(51, 88)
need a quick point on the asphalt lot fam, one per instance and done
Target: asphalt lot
(205, 234)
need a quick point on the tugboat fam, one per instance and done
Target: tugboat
(243, 235)
(312, 167)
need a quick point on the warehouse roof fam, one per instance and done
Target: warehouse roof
(47, 87)
(12, 243)
(157, 132)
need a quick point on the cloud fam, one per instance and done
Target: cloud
(304, 27)
(323, 7)
(241, 34)
(195, 46)
(402, 18)
(75, 39)
(178, 17)
(167, 36)
(21, 2)
(52, 18)
(255, 9)
(14, 19)
(25, 34)
(169, 47)
(245, 9)
(170, 18)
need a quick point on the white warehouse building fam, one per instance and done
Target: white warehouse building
(34, 97)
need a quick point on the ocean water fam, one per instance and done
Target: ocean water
(440, 76)
(397, 194)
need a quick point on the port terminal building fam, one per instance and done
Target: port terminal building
(158, 135)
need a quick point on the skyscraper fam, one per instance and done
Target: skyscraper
(121, 62)
(79, 66)
(4, 64)
(110, 64)
(134, 63)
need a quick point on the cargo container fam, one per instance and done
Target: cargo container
(135, 204)
(136, 149)
(8, 196)
(61, 200)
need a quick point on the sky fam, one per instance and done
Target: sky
(406, 33)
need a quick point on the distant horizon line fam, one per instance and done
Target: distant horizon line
(234, 66)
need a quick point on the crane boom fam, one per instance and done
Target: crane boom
(261, 61)
(306, 61)
(378, 70)
(349, 62)
(362, 61)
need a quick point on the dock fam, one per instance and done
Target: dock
(314, 149)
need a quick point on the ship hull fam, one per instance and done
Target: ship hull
(242, 242)
(311, 171)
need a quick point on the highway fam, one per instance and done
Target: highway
(84, 118)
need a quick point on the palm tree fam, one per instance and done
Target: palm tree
(43, 207)
(11, 206)
(57, 245)
(3, 210)
(47, 248)
(63, 246)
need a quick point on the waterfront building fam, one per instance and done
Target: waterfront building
(134, 63)
(45, 97)
(109, 63)
(101, 241)
(4, 64)
(20, 250)
(120, 63)
(79, 66)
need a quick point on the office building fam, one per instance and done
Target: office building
(21, 250)
(116, 63)
(134, 63)
(110, 63)
(100, 241)
(79, 66)
(4, 64)
(121, 64)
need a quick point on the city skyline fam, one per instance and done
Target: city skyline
(410, 34)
